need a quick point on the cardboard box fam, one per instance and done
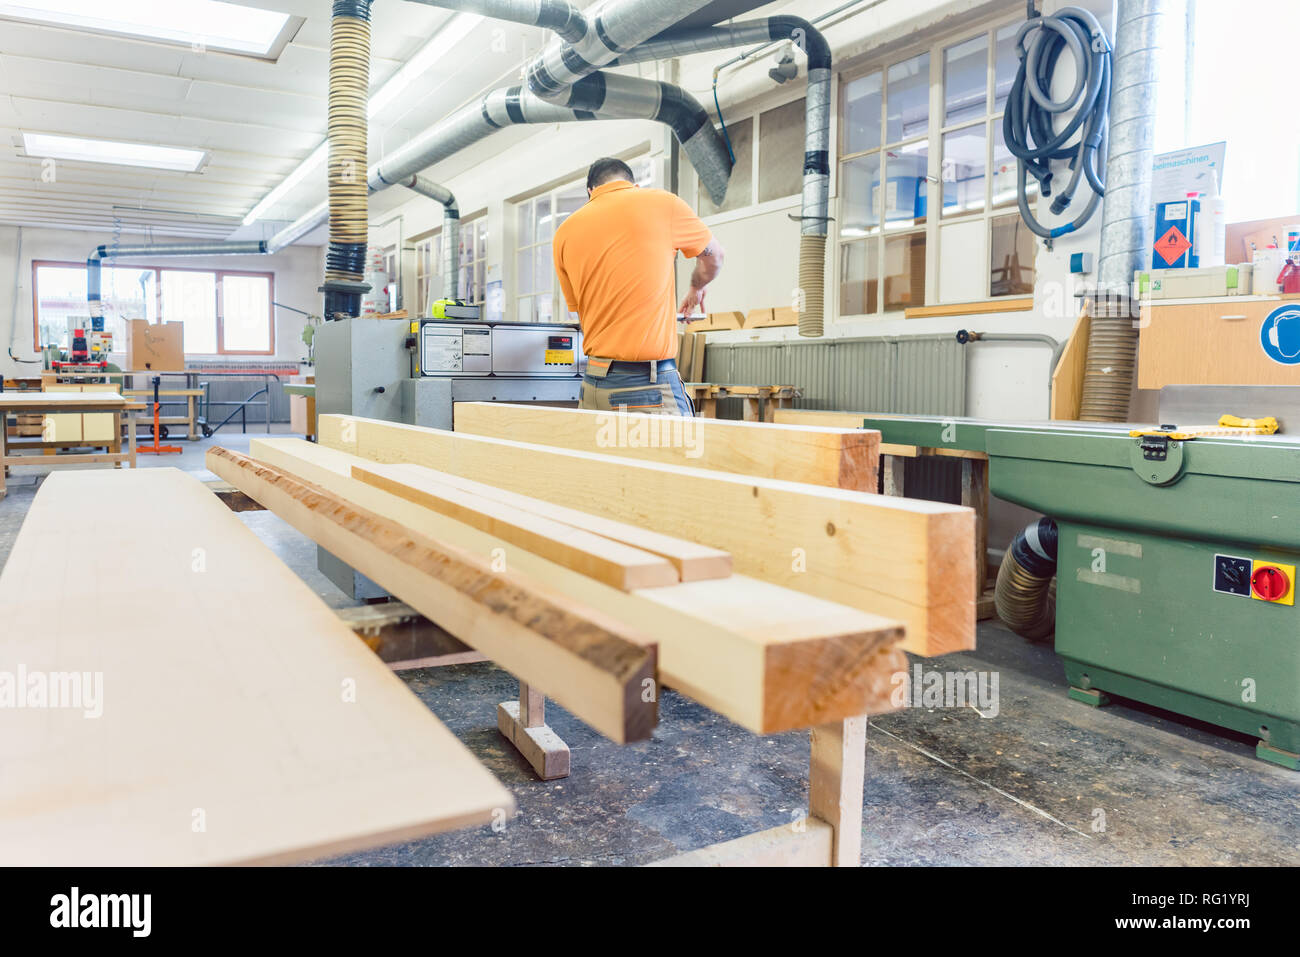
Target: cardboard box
(780, 316)
(155, 347)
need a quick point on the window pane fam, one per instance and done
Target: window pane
(60, 294)
(543, 270)
(965, 80)
(524, 271)
(1006, 65)
(481, 239)
(859, 281)
(908, 101)
(780, 151)
(246, 313)
(1011, 253)
(544, 306)
(906, 192)
(861, 114)
(480, 283)
(191, 298)
(569, 202)
(964, 154)
(545, 223)
(860, 195)
(740, 189)
(523, 223)
(524, 309)
(1006, 172)
(905, 271)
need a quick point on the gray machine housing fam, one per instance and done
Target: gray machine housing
(375, 368)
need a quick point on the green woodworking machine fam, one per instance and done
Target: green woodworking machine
(1175, 561)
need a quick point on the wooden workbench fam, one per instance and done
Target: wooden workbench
(190, 419)
(53, 403)
(761, 402)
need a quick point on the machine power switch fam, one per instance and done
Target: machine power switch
(1273, 582)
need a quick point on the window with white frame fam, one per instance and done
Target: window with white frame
(538, 297)
(471, 284)
(768, 146)
(905, 157)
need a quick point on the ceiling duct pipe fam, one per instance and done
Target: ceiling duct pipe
(563, 18)
(596, 96)
(450, 230)
(814, 214)
(349, 210)
(94, 262)
(1125, 224)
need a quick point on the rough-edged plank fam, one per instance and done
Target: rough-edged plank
(903, 558)
(241, 722)
(769, 658)
(593, 665)
(806, 843)
(603, 559)
(836, 457)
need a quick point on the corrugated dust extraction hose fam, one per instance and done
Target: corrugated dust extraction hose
(349, 210)
(812, 278)
(1025, 594)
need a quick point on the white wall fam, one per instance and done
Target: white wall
(298, 271)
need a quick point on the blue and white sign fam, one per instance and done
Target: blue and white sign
(1280, 335)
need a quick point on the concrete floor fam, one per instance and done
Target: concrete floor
(1046, 781)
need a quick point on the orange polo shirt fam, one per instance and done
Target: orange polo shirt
(615, 258)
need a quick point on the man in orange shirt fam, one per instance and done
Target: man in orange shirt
(615, 258)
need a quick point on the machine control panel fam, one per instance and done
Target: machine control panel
(460, 348)
(1272, 582)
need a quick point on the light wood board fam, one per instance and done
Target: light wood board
(836, 457)
(766, 657)
(905, 559)
(525, 627)
(1067, 379)
(241, 720)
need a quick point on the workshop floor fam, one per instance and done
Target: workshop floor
(1045, 781)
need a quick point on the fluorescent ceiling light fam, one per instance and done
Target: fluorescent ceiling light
(307, 166)
(207, 23)
(79, 150)
(442, 44)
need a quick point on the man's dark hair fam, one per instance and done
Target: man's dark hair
(606, 170)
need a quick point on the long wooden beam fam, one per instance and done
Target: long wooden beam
(199, 703)
(903, 558)
(534, 633)
(769, 658)
(836, 457)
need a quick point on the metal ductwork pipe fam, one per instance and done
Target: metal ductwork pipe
(450, 230)
(596, 96)
(1125, 226)
(565, 19)
(614, 28)
(1025, 594)
(815, 211)
(349, 210)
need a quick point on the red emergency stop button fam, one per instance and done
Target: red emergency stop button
(1270, 583)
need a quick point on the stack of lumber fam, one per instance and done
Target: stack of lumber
(202, 705)
(593, 578)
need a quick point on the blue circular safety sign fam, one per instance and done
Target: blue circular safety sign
(1280, 335)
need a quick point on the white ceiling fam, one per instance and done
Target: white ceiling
(258, 119)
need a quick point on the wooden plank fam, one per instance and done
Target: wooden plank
(603, 559)
(698, 346)
(1067, 379)
(241, 721)
(593, 665)
(837, 774)
(691, 562)
(805, 844)
(70, 401)
(819, 417)
(766, 657)
(840, 458)
(903, 558)
(984, 307)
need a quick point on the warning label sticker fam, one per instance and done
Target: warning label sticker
(1172, 245)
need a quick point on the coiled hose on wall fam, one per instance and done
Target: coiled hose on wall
(1025, 594)
(1027, 124)
(349, 209)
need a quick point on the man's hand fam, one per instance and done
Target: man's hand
(694, 300)
(707, 266)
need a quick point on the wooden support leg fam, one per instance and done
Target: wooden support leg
(115, 446)
(709, 408)
(523, 722)
(836, 777)
(130, 436)
(192, 416)
(4, 454)
(751, 409)
(893, 471)
(975, 494)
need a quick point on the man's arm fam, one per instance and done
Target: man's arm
(566, 287)
(707, 266)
